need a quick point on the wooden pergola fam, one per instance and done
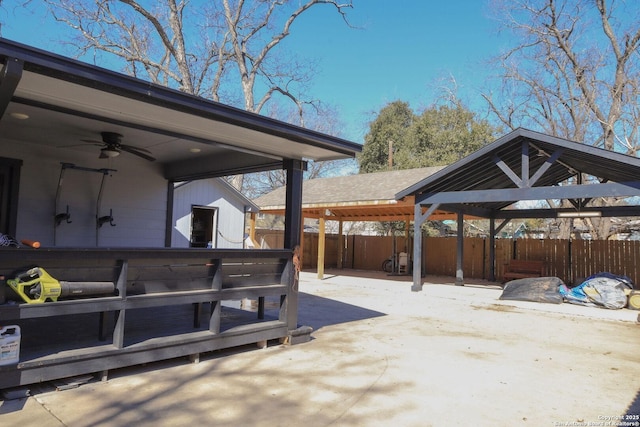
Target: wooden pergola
(363, 197)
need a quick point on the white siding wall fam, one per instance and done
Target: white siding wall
(208, 192)
(136, 192)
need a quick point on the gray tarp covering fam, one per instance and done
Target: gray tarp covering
(536, 289)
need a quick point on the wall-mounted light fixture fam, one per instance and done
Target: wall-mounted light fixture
(585, 214)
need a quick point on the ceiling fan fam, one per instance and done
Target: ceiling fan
(112, 146)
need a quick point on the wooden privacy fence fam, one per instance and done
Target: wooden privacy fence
(570, 260)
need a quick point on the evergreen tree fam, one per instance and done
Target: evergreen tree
(388, 129)
(441, 135)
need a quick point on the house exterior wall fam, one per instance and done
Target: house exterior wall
(136, 194)
(212, 193)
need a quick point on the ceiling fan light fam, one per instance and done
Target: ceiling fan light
(108, 153)
(19, 116)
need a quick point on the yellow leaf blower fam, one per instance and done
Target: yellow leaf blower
(36, 286)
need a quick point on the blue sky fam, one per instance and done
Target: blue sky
(400, 50)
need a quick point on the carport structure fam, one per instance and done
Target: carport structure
(522, 166)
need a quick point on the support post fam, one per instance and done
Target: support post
(340, 244)
(417, 248)
(168, 221)
(418, 219)
(121, 285)
(252, 230)
(293, 209)
(321, 245)
(460, 251)
(292, 232)
(492, 249)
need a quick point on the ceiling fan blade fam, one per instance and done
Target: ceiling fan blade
(137, 151)
(78, 145)
(93, 141)
(144, 150)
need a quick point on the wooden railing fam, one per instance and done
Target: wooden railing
(155, 310)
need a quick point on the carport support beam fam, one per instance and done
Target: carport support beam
(418, 219)
(492, 249)
(340, 244)
(460, 251)
(321, 245)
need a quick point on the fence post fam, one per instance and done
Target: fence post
(572, 276)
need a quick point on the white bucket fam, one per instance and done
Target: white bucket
(9, 344)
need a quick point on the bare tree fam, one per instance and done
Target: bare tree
(574, 72)
(224, 50)
(227, 50)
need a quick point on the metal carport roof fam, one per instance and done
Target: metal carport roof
(525, 165)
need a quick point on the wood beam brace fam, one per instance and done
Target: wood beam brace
(615, 189)
(546, 165)
(525, 180)
(508, 171)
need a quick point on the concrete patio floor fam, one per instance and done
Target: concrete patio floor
(381, 354)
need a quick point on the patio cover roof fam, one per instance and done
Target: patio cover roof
(67, 101)
(362, 197)
(527, 165)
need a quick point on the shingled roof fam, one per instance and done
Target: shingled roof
(370, 196)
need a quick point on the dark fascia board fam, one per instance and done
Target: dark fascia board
(605, 212)
(57, 66)
(202, 167)
(511, 195)
(415, 188)
(532, 137)
(583, 148)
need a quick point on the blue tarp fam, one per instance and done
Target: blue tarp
(602, 289)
